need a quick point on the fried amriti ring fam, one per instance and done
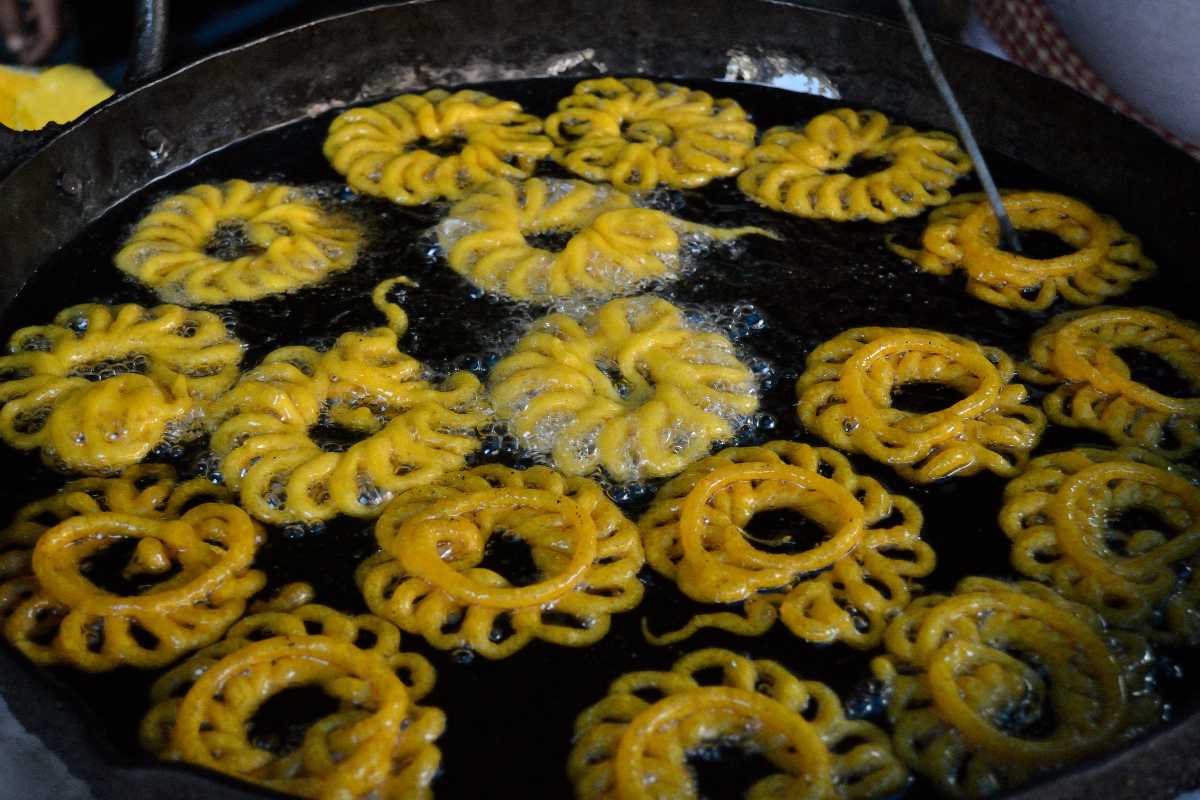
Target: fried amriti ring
(382, 149)
(635, 743)
(638, 134)
(96, 390)
(1081, 351)
(803, 171)
(964, 235)
(291, 241)
(428, 579)
(632, 388)
(845, 396)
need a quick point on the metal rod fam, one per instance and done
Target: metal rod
(1008, 233)
(149, 51)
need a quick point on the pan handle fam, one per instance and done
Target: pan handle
(148, 54)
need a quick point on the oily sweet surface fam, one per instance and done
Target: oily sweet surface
(833, 276)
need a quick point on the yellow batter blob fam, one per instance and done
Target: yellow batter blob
(394, 313)
(846, 398)
(1060, 516)
(490, 239)
(638, 134)
(405, 431)
(417, 148)
(1106, 261)
(289, 242)
(632, 388)
(377, 742)
(805, 171)
(635, 743)
(1080, 351)
(430, 580)
(100, 387)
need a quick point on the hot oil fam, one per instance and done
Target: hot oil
(510, 722)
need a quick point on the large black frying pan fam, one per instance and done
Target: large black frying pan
(1041, 134)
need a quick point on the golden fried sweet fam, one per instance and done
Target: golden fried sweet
(430, 579)
(286, 241)
(637, 134)
(1081, 352)
(1061, 512)
(405, 430)
(1106, 260)
(844, 587)
(633, 388)
(635, 743)
(376, 743)
(490, 239)
(395, 149)
(96, 390)
(805, 171)
(845, 397)
(998, 682)
(186, 581)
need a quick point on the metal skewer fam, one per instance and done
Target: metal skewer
(1008, 233)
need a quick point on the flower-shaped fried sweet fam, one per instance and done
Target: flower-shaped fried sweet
(376, 743)
(406, 431)
(417, 148)
(635, 743)
(1082, 351)
(998, 682)
(638, 134)
(275, 239)
(101, 386)
(1106, 261)
(430, 578)
(613, 246)
(632, 388)
(845, 396)
(1061, 512)
(805, 171)
(844, 587)
(184, 583)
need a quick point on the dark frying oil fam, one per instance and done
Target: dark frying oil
(510, 722)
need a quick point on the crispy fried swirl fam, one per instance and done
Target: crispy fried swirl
(490, 239)
(430, 578)
(289, 242)
(632, 388)
(1061, 515)
(999, 682)
(635, 743)
(393, 149)
(376, 743)
(1080, 351)
(804, 171)
(406, 430)
(1106, 260)
(638, 134)
(96, 390)
(846, 398)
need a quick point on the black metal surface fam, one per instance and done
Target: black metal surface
(148, 53)
(1077, 146)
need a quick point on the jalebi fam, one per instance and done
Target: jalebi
(394, 313)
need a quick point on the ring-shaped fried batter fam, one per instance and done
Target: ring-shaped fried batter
(290, 242)
(1106, 260)
(429, 579)
(804, 171)
(635, 743)
(1060, 514)
(845, 397)
(393, 149)
(637, 134)
(633, 388)
(100, 387)
(844, 588)
(1080, 350)
(407, 430)
(490, 239)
